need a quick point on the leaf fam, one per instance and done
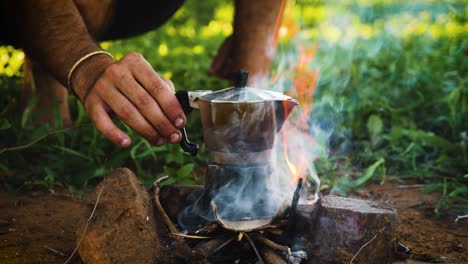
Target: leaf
(135, 149)
(50, 176)
(374, 125)
(73, 152)
(3, 167)
(185, 170)
(187, 181)
(149, 150)
(432, 188)
(27, 111)
(4, 124)
(369, 173)
(458, 191)
(58, 122)
(430, 138)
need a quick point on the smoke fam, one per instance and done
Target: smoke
(254, 169)
(304, 137)
(347, 35)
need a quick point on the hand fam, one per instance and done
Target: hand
(222, 62)
(132, 90)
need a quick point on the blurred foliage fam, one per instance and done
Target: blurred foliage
(394, 86)
(392, 92)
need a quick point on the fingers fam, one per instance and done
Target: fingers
(150, 109)
(142, 99)
(162, 91)
(126, 111)
(104, 123)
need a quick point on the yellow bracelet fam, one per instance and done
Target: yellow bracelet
(77, 63)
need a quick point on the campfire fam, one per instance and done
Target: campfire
(260, 201)
(259, 234)
(127, 225)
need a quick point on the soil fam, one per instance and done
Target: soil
(430, 240)
(39, 227)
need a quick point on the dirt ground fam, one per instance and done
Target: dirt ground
(38, 227)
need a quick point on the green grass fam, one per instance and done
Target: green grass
(392, 93)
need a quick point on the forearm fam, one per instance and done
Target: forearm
(52, 32)
(255, 26)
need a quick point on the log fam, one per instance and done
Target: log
(271, 257)
(209, 247)
(123, 227)
(348, 230)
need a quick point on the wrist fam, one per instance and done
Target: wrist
(87, 73)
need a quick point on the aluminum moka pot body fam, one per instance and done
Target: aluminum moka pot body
(239, 123)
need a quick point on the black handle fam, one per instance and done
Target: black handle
(184, 101)
(240, 78)
(185, 144)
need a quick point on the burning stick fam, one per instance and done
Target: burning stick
(208, 229)
(290, 229)
(267, 242)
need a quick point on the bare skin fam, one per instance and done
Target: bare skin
(59, 33)
(252, 45)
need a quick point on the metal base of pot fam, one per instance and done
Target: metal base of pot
(240, 193)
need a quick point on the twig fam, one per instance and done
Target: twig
(41, 138)
(412, 186)
(191, 236)
(223, 245)
(260, 260)
(54, 251)
(208, 228)
(172, 228)
(161, 210)
(273, 245)
(368, 242)
(275, 231)
(461, 217)
(87, 223)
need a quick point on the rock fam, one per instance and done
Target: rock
(123, 228)
(344, 225)
(303, 232)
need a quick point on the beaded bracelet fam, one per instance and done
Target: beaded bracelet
(78, 62)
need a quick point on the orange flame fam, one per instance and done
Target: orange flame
(305, 80)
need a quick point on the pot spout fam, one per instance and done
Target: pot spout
(283, 109)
